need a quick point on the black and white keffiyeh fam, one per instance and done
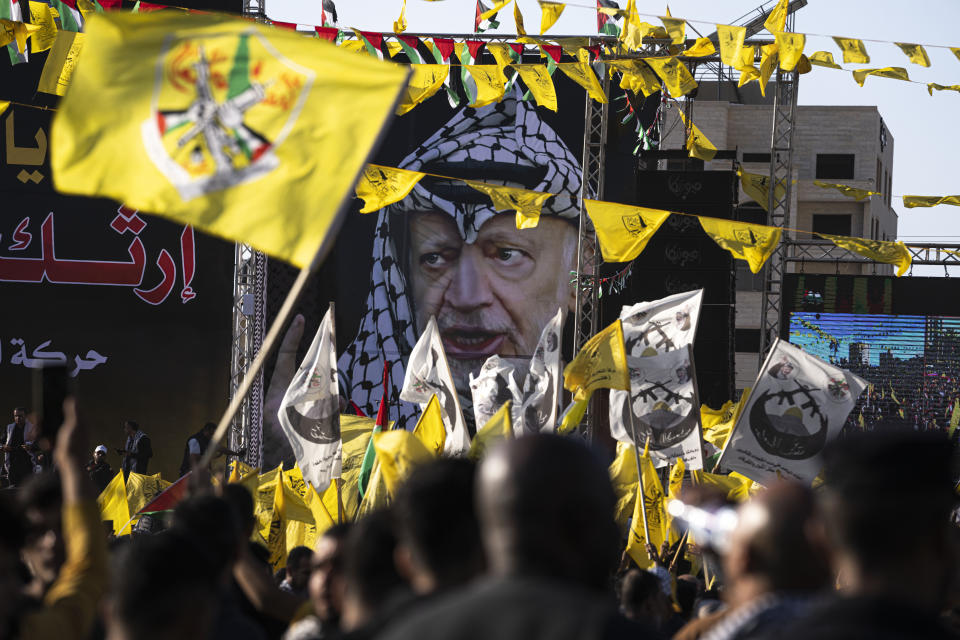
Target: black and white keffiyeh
(503, 143)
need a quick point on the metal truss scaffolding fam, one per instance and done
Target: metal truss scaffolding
(781, 174)
(249, 324)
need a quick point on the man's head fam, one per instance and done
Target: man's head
(212, 524)
(100, 454)
(326, 574)
(130, 428)
(642, 598)
(777, 545)
(208, 429)
(887, 499)
(161, 589)
(241, 504)
(41, 501)
(298, 568)
(370, 575)
(529, 527)
(19, 416)
(439, 537)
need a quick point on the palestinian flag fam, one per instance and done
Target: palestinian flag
(169, 499)
(479, 24)
(329, 9)
(607, 24)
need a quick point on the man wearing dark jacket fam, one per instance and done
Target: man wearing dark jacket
(99, 469)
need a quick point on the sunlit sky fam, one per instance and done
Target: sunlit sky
(924, 128)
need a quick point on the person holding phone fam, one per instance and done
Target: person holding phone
(137, 450)
(17, 461)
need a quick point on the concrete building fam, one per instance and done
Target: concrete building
(835, 144)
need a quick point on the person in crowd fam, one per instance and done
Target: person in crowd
(69, 606)
(197, 445)
(642, 599)
(777, 563)
(551, 552)
(99, 469)
(439, 544)
(137, 450)
(18, 463)
(374, 592)
(162, 589)
(41, 502)
(326, 588)
(297, 572)
(887, 499)
(210, 522)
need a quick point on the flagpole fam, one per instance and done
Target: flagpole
(299, 285)
(642, 492)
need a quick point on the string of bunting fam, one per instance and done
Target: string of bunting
(623, 231)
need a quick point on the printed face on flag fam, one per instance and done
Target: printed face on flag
(798, 404)
(661, 325)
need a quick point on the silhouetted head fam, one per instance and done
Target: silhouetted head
(370, 575)
(41, 502)
(241, 502)
(546, 509)
(326, 574)
(298, 568)
(642, 598)
(437, 525)
(210, 522)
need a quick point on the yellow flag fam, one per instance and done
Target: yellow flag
(791, 48)
(674, 487)
(751, 242)
(430, 429)
(735, 486)
(769, 57)
(376, 495)
(502, 53)
(423, 83)
(539, 83)
(853, 50)
(895, 253)
(581, 73)
(777, 18)
(294, 492)
(623, 231)
(954, 418)
(823, 59)
(676, 29)
(292, 121)
(915, 52)
(380, 186)
(4, 105)
(490, 83)
(757, 186)
(355, 434)
(13, 31)
(623, 477)
(852, 192)
(113, 505)
(264, 499)
(400, 24)
(549, 14)
(601, 363)
(653, 502)
(636, 76)
(518, 19)
(731, 41)
(275, 533)
(40, 15)
(931, 86)
(526, 203)
(748, 72)
(701, 48)
(141, 489)
(238, 471)
(399, 453)
(956, 51)
(929, 201)
(498, 428)
(498, 5)
(675, 75)
(897, 73)
(717, 424)
(698, 145)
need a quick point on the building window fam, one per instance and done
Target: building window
(832, 223)
(835, 166)
(756, 157)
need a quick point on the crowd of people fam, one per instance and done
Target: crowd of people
(522, 545)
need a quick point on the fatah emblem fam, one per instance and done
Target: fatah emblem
(221, 105)
(838, 390)
(788, 423)
(323, 429)
(634, 224)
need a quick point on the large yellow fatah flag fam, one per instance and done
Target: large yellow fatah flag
(249, 132)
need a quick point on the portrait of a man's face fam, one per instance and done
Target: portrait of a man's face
(444, 251)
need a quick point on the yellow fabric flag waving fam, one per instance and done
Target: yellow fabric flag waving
(399, 453)
(852, 192)
(113, 505)
(823, 59)
(380, 186)
(675, 75)
(540, 84)
(430, 430)
(623, 231)
(636, 76)
(425, 81)
(601, 363)
(731, 41)
(400, 24)
(498, 428)
(249, 132)
(915, 52)
(653, 504)
(581, 73)
(929, 201)
(751, 242)
(700, 49)
(623, 477)
(526, 203)
(674, 487)
(791, 48)
(518, 19)
(490, 83)
(777, 18)
(896, 73)
(757, 186)
(698, 145)
(853, 50)
(895, 253)
(933, 86)
(550, 13)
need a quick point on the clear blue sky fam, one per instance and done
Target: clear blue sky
(924, 128)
